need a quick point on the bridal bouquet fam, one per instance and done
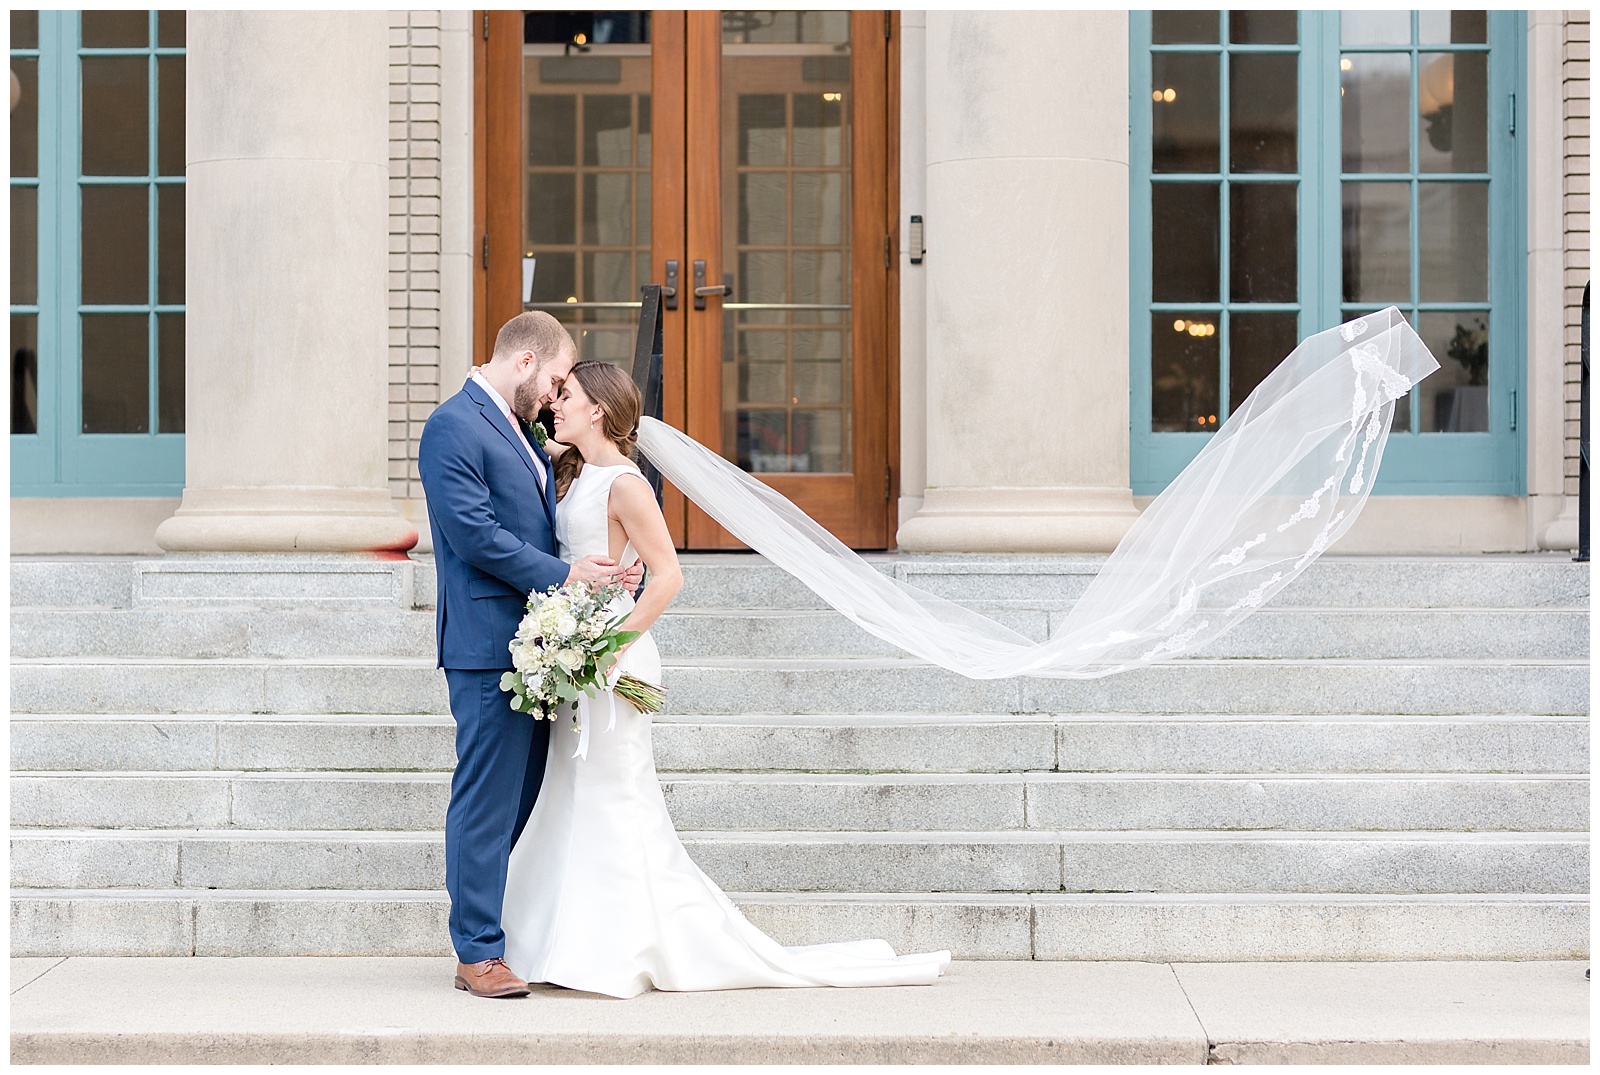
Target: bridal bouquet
(564, 648)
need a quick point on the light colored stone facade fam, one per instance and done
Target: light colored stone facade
(431, 241)
(1575, 218)
(415, 200)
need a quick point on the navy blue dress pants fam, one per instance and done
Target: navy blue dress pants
(500, 758)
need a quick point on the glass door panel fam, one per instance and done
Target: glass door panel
(786, 101)
(586, 183)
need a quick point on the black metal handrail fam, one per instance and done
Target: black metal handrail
(647, 362)
(1583, 434)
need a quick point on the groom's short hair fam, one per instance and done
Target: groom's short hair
(535, 331)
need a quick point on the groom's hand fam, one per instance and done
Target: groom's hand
(594, 569)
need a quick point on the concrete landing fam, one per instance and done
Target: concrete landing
(83, 1010)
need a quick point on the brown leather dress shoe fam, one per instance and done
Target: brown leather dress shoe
(490, 978)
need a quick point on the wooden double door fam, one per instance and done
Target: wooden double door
(743, 159)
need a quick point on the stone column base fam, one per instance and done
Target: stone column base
(286, 520)
(1561, 533)
(1059, 519)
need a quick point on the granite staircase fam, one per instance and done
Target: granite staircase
(251, 755)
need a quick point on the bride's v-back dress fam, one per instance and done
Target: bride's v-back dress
(600, 894)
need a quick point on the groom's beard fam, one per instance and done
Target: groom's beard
(525, 401)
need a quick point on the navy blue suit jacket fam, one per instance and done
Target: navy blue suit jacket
(493, 527)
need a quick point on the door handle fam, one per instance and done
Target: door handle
(669, 290)
(702, 289)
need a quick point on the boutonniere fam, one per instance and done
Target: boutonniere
(536, 430)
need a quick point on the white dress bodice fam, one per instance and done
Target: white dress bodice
(583, 522)
(600, 893)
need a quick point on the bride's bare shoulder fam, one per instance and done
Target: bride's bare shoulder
(632, 495)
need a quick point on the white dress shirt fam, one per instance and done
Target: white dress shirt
(505, 409)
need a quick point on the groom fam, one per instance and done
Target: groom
(491, 502)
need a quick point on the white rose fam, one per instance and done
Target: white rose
(566, 626)
(570, 659)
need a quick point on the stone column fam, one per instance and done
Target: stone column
(287, 248)
(1027, 277)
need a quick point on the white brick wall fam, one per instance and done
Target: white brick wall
(414, 239)
(1575, 215)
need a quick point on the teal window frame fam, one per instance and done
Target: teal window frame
(1492, 463)
(60, 459)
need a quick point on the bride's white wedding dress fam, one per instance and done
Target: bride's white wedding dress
(601, 895)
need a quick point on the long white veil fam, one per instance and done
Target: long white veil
(1284, 478)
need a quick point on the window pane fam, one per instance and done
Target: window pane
(116, 373)
(552, 129)
(1256, 344)
(763, 209)
(170, 383)
(116, 29)
(170, 257)
(1184, 27)
(819, 127)
(1263, 111)
(819, 277)
(1377, 242)
(819, 207)
(24, 245)
(641, 232)
(24, 373)
(557, 277)
(819, 441)
(1453, 98)
(610, 276)
(1375, 99)
(171, 31)
(607, 130)
(1185, 261)
(115, 115)
(1263, 236)
(607, 207)
(1185, 119)
(786, 27)
(1456, 398)
(763, 440)
(116, 240)
(552, 208)
(1185, 371)
(24, 29)
(1263, 27)
(1453, 228)
(763, 277)
(763, 129)
(1375, 27)
(1453, 27)
(169, 136)
(25, 118)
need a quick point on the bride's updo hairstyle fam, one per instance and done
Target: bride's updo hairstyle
(619, 400)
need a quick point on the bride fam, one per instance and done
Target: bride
(600, 894)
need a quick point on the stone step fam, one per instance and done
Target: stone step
(840, 802)
(1152, 927)
(936, 742)
(735, 580)
(1153, 861)
(378, 685)
(1358, 634)
(244, 632)
(273, 580)
(223, 632)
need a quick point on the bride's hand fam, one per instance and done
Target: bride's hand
(595, 570)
